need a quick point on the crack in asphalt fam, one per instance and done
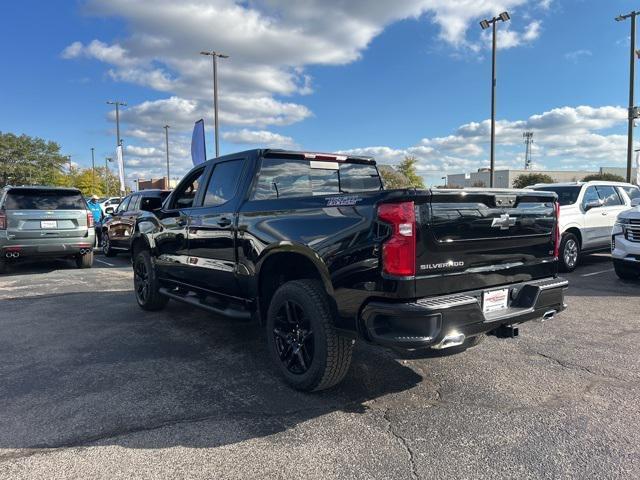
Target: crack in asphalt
(571, 366)
(402, 441)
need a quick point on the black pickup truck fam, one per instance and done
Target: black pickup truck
(313, 247)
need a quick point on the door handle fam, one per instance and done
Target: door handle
(224, 222)
(603, 213)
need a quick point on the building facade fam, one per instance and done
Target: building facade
(505, 178)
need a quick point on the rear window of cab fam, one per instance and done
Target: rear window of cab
(287, 178)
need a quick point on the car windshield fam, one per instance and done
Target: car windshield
(566, 195)
(43, 199)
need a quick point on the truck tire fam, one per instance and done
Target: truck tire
(624, 272)
(302, 340)
(145, 283)
(569, 254)
(107, 251)
(84, 261)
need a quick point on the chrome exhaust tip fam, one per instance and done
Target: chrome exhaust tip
(12, 254)
(453, 339)
(548, 315)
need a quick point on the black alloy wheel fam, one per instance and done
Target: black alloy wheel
(141, 281)
(303, 342)
(145, 283)
(293, 338)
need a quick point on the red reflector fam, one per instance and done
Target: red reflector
(556, 244)
(90, 222)
(399, 251)
(3, 221)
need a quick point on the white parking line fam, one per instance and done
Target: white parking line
(597, 273)
(106, 263)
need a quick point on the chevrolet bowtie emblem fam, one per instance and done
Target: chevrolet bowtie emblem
(504, 222)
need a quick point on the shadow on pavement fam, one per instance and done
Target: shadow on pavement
(30, 266)
(93, 367)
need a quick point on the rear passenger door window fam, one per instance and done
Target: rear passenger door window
(223, 183)
(609, 196)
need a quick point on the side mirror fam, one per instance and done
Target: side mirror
(109, 211)
(635, 202)
(592, 204)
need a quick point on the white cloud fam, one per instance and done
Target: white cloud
(271, 43)
(564, 138)
(576, 55)
(262, 138)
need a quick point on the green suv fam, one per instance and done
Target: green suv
(45, 222)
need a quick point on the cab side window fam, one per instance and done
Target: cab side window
(223, 183)
(186, 192)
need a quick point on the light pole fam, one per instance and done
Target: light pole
(118, 104)
(69, 158)
(166, 140)
(503, 17)
(93, 172)
(106, 173)
(632, 73)
(214, 56)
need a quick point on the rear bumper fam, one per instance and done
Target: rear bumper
(426, 322)
(46, 247)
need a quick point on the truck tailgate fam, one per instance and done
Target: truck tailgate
(479, 239)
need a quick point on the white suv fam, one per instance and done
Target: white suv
(625, 242)
(588, 211)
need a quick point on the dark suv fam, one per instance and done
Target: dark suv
(117, 229)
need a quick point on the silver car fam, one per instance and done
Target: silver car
(45, 222)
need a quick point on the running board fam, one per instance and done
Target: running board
(195, 301)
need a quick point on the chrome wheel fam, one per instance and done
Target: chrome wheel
(570, 253)
(141, 281)
(293, 338)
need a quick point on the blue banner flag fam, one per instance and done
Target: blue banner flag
(198, 147)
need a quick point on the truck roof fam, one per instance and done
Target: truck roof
(320, 156)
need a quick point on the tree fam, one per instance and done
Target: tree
(607, 177)
(393, 178)
(522, 181)
(26, 160)
(408, 168)
(479, 184)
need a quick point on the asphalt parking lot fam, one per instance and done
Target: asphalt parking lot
(93, 387)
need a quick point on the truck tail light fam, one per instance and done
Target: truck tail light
(3, 221)
(90, 222)
(556, 243)
(399, 251)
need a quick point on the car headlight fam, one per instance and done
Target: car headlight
(618, 228)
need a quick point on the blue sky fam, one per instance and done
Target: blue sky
(411, 78)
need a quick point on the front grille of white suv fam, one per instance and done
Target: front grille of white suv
(633, 231)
